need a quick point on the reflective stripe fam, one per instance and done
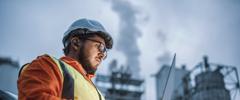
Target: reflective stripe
(68, 83)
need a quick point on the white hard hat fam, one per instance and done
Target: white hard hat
(90, 25)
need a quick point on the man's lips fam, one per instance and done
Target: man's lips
(98, 59)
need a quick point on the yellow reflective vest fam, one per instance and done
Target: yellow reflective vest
(75, 86)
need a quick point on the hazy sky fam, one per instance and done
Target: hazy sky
(147, 31)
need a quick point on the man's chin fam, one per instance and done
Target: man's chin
(95, 66)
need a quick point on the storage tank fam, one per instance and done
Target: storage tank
(210, 86)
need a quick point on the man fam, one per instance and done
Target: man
(47, 78)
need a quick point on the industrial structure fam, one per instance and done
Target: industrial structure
(206, 81)
(8, 78)
(119, 85)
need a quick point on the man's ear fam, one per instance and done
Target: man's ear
(76, 43)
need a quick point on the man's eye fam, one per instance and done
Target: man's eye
(96, 45)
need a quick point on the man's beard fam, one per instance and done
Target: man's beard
(85, 62)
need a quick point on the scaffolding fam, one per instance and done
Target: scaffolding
(119, 85)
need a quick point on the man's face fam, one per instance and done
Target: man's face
(92, 55)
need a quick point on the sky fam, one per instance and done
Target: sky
(146, 33)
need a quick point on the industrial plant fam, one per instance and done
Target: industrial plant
(206, 81)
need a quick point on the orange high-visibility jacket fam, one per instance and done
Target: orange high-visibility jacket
(43, 79)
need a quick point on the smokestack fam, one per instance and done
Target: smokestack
(128, 34)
